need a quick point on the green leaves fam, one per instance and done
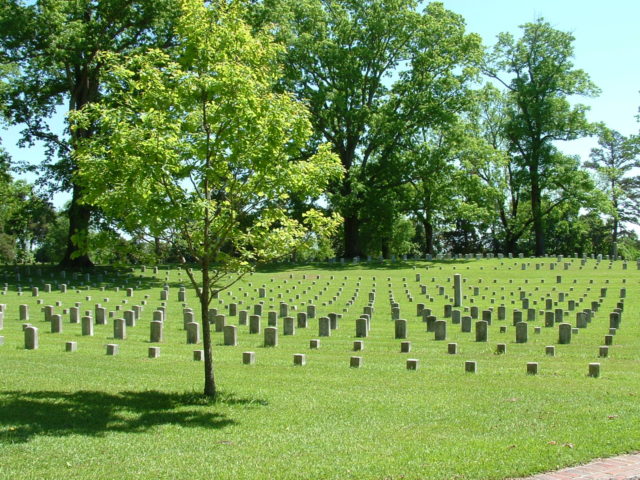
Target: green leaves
(197, 140)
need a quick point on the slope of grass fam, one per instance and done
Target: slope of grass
(88, 415)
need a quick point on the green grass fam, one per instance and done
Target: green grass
(87, 415)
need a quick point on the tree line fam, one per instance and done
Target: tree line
(446, 145)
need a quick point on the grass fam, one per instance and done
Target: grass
(88, 415)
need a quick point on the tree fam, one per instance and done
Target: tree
(371, 71)
(613, 162)
(196, 142)
(31, 217)
(49, 51)
(542, 79)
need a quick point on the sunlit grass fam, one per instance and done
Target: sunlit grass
(88, 415)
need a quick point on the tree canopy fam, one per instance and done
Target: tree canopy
(195, 142)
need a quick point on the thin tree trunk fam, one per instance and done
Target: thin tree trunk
(209, 379)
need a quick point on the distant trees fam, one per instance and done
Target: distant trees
(431, 165)
(539, 77)
(50, 61)
(372, 73)
(614, 163)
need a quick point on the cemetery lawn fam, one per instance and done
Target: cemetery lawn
(86, 415)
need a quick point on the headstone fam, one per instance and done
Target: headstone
(522, 332)
(361, 328)
(614, 320)
(230, 335)
(594, 370)
(401, 329)
(156, 331)
(71, 346)
(87, 326)
(193, 333)
(549, 319)
(101, 316)
(302, 320)
(311, 311)
(289, 327)
(470, 366)
(532, 368)
(457, 290)
(465, 325)
(31, 338)
(564, 333)
(440, 330)
(501, 348)
(248, 358)
(112, 349)
(271, 337)
(412, 363)
(254, 324)
(56, 324)
(324, 327)
(482, 331)
(220, 321)
(120, 328)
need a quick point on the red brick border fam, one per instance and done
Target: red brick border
(624, 467)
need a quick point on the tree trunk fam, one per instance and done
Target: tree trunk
(384, 248)
(351, 236)
(209, 379)
(510, 243)
(428, 237)
(614, 238)
(536, 211)
(76, 256)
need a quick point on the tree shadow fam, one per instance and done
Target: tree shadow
(25, 415)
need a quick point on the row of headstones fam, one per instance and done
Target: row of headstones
(466, 256)
(31, 343)
(470, 366)
(439, 328)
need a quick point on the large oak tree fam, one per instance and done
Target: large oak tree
(53, 46)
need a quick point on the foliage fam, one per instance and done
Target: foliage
(540, 79)
(195, 142)
(614, 162)
(49, 54)
(371, 72)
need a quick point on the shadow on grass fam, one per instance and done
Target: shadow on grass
(25, 415)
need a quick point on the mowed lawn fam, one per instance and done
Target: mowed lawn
(86, 415)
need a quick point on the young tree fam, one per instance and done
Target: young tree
(49, 61)
(542, 78)
(614, 162)
(196, 142)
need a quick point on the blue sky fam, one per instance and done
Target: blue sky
(607, 47)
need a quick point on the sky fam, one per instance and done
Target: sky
(607, 47)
